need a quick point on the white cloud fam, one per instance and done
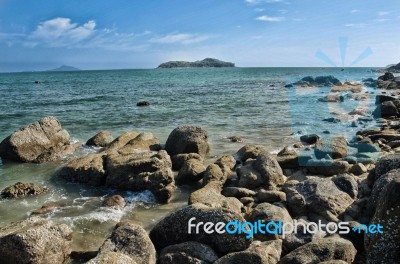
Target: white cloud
(354, 11)
(61, 32)
(181, 38)
(270, 19)
(356, 25)
(383, 13)
(259, 9)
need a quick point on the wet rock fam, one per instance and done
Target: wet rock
(35, 241)
(335, 147)
(264, 196)
(235, 139)
(310, 81)
(316, 195)
(48, 208)
(331, 98)
(115, 201)
(188, 252)
(132, 240)
(237, 192)
(266, 213)
(288, 159)
(264, 171)
(384, 247)
(173, 229)
(88, 169)
(386, 77)
(325, 249)
(180, 159)
(346, 183)
(242, 257)
(143, 103)
(210, 195)
(347, 87)
(111, 258)
(358, 169)
(226, 162)
(249, 152)
(44, 140)
(381, 98)
(141, 171)
(327, 167)
(215, 173)
(101, 139)
(188, 139)
(386, 109)
(384, 165)
(310, 139)
(191, 172)
(20, 189)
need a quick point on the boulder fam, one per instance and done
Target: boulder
(288, 159)
(365, 146)
(88, 169)
(235, 139)
(266, 213)
(115, 201)
(310, 139)
(327, 167)
(143, 103)
(320, 196)
(188, 139)
(346, 183)
(191, 172)
(270, 251)
(122, 140)
(386, 109)
(132, 240)
(264, 196)
(226, 163)
(381, 98)
(335, 147)
(44, 140)
(249, 152)
(384, 165)
(384, 247)
(101, 139)
(35, 241)
(141, 171)
(358, 169)
(238, 192)
(180, 159)
(333, 248)
(173, 229)
(331, 98)
(264, 171)
(386, 77)
(188, 252)
(216, 173)
(48, 208)
(242, 257)
(210, 195)
(20, 189)
(143, 142)
(111, 258)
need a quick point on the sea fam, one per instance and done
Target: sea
(251, 103)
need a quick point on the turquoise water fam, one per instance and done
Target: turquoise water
(248, 102)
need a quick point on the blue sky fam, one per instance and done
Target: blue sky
(105, 34)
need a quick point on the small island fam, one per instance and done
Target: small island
(65, 68)
(206, 63)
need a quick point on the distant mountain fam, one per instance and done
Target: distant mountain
(206, 63)
(65, 68)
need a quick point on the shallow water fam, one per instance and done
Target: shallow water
(248, 102)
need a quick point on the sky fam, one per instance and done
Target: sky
(126, 34)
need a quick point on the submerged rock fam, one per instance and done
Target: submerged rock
(44, 140)
(20, 189)
(310, 139)
(35, 241)
(143, 103)
(101, 139)
(188, 139)
(115, 201)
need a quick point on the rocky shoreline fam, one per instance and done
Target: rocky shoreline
(320, 179)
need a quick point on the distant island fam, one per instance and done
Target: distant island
(206, 63)
(65, 68)
(393, 68)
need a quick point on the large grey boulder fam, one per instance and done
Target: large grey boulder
(188, 252)
(188, 139)
(320, 196)
(35, 241)
(141, 171)
(44, 140)
(333, 248)
(264, 171)
(173, 229)
(88, 169)
(385, 247)
(132, 240)
(384, 165)
(101, 139)
(335, 147)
